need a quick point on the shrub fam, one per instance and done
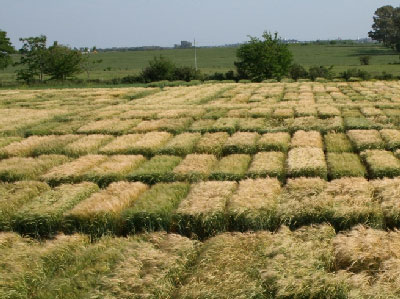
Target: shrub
(316, 72)
(307, 161)
(44, 215)
(381, 163)
(100, 213)
(157, 169)
(365, 59)
(355, 73)
(297, 71)
(153, 210)
(195, 167)
(186, 73)
(345, 165)
(202, 212)
(160, 68)
(232, 167)
(263, 59)
(337, 143)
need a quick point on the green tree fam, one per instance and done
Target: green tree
(263, 59)
(386, 27)
(33, 57)
(62, 62)
(160, 68)
(5, 50)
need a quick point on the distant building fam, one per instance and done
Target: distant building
(184, 45)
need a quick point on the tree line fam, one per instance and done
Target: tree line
(257, 60)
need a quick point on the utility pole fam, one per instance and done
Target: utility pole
(195, 55)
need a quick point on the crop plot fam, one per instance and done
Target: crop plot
(286, 190)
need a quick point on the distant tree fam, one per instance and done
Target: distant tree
(263, 59)
(160, 68)
(5, 50)
(365, 59)
(320, 72)
(386, 27)
(297, 71)
(33, 58)
(62, 62)
(186, 73)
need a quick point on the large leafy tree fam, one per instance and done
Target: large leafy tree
(57, 61)
(263, 59)
(386, 27)
(5, 50)
(33, 57)
(62, 62)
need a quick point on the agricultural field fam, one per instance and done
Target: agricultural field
(221, 59)
(269, 190)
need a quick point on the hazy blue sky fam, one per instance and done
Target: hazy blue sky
(107, 23)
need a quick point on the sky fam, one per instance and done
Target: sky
(133, 23)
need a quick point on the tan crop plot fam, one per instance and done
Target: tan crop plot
(366, 139)
(73, 171)
(254, 205)
(306, 139)
(212, 143)
(239, 160)
(241, 142)
(87, 145)
(37, 145)
(268, 164)
(195, 167)
(274, 142)
(307, 161)
(202, 212)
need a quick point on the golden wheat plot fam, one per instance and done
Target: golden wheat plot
(113, 200)
(121, 145)
(202, 211)
(73, 171)
(271, 164)
(87, 145)
(307, 161)
(307, 139)
(195, 166)
(254, 204)
(37, 145)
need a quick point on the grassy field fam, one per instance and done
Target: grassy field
(210, 60)
(268, 190)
